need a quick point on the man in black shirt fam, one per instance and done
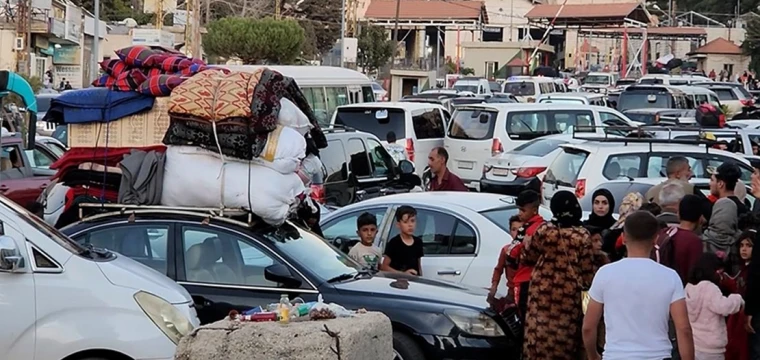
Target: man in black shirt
(404, 252)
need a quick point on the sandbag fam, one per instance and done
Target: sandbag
(195, 177)
(291, 116)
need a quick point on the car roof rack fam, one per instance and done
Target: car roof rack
(237, 216)
(638, 135)
(337, 128)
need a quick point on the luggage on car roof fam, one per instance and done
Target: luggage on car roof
(710, 116)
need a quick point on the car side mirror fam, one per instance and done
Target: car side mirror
(406, 167)
(10, 256)
(280, 273)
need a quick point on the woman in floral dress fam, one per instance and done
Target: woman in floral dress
(565, 263)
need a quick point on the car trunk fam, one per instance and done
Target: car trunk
(508, 167)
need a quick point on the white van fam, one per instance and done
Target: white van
(419, 127)
(479, 132)
(64, 301)
(600, 82)
(672, 80)
(477, 86)
(527, 88)
(325, 87)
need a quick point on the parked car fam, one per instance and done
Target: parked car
(479, 132)
(52, 286)
(581, 167)
(527, 88)
(24, 174)
(522, 168)
(380, 93)
(419, 127)
(671, 80)
(43, 104)
(733, 95)
(462, 233)
(227, 265)
(357, 167)
(654, 116)
(599, 82)
(574, 98)
(475, 85)
(652, 96)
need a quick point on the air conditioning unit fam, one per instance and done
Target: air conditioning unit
(19, 44)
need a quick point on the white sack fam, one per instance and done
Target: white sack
(283, 152)
(291, 116)
(311, 169)
(195, 177)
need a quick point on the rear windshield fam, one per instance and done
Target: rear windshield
(651, 81)
(495, 87)
(528, 125)
(725, 94)
(522, 88)
(618, 190)
(566, 167)
(625, 82)
(640, 100)
(643, 118)
(428, 125)
(471, 87)
(538, 147)
(473, 124)
(597, 80)
(678, 82)
(376, 121)
(500, 216)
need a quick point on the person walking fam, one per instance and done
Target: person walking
(637, 297)
(564, 263)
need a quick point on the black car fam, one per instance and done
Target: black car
(226, 264)
(357, 167)
(654, 116)
(652, 96)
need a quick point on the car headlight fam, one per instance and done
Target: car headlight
(170, 320)
(474, 322)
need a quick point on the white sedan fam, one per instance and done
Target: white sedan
(462, 233)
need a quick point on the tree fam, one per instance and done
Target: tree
(324, 16)
(375, 48)
(255, 41)
(751, 44)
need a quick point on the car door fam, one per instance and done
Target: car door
(449, 244)
(337, 191)
(40, 160)
(344, 227)
(224, 270)
(18, 304)
(17, 180)
(429, 131)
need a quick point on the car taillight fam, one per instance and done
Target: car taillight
(721, 120)
(526, 172)
(410, 149)
(318, 193)
(748, 102)
(496, 148)
(580, 188)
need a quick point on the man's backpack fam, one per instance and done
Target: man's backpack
(663, 251)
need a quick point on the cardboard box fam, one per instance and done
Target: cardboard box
(144, 129)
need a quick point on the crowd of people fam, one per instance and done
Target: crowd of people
(671, 278)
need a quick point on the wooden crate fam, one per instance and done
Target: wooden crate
(138, 130)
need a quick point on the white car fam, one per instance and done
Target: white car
(419, 127)
(745, 124)
(61, 300)
(582, 167)
(462, 233)
(522, 168)
(600, 82)
(481, 131)
(733, 95)
(574, 98)
(380, 93)
(672, 80)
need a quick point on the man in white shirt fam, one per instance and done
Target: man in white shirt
(637, 297)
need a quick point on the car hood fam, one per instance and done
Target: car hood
(125, 272)
(385, 285)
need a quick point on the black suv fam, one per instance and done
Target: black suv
(228, 263)
(357, 167)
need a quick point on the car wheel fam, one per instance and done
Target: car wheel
(404, 348)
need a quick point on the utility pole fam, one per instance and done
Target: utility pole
(342, 32)
(95, 42)
(196, 50)
(23, 31)
(277, 9)
(395, 33)
(160, 14)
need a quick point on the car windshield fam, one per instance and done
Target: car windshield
(647, 119)
(500, 216)
(596, 80)
(311, 251)
(466, 87)
(521, 88)
(538, 147)
(376, 121)
(644, 100)
(43, 103)
(43, 227)
(473, 124)
(623, 82)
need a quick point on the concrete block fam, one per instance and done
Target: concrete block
(363, 337)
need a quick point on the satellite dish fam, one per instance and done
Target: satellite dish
(129, 22)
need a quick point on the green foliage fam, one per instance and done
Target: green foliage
(451, 68)
(751, 44)
(324, 16)
(375, 48)
(255, 41)
(111, 10)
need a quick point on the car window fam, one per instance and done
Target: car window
(713, 161)
(565, 119)
(376, 121)
(380, 158)
(315, 96)
(56, 149)
(725, 94)
(145, 243)
(336, 96)
(473, 124)
(527, 125)
(500, 216)
(428, 125)
(334, 159)
(645, 99)
(520, 88)
(538, 147)
(39, 159)
(359, 165)
(435, 229)
(651, 81)
(217, 257)
(464, 241)
(657, 165)
(611, 119)
(622, 165)
(565, 168)
(368, 95)
(345, 226)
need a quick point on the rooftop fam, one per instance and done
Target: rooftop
(589, 14)
(427, 10)
(719, 46)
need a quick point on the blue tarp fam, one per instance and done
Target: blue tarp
(96, 104)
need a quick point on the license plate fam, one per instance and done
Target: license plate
(468, 165)
(500, 172)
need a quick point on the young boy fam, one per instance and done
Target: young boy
(363, 252)
(527, 203)
(502, 267)
(403, 253)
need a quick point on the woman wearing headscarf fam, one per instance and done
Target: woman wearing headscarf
(564, 264)
(603, 204)
(610, 243)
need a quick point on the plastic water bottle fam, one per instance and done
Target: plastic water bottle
(284, 309)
